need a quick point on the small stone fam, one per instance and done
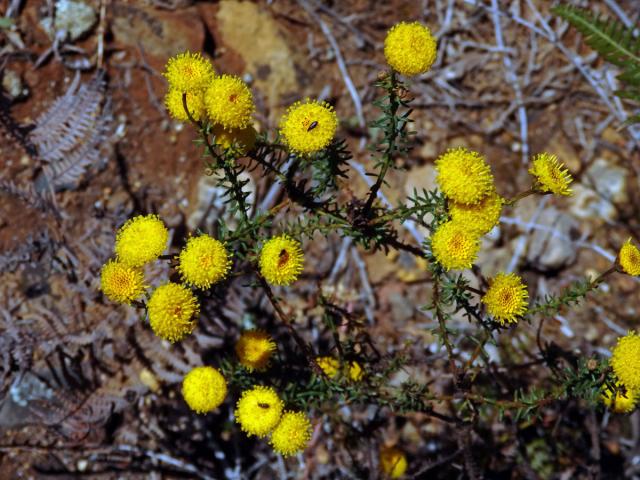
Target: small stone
(603, 186)
(551, 248)
(74, 18)
(82, 465)
(13, 85)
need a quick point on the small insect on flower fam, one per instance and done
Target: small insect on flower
(172, 310)
(308, 126)
(203, 262)
(121, 283)
(258, 411)
(506, 298)
(625, 360)
(329, 365)
(410, 48)
(551, 175)
(464, 176)
(254, 349)
(281, 260)
(141, 239)
(624, 400)
(393, 462)
(204, 389)
(455, 246)
(188, 72)
(292, 434)
(229, 102)
(629, 258)
(242, 140)
(175, 106)
(482, 216)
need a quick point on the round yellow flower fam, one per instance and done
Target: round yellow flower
(410, 48)
(203, 261)
(308, 127)
(355, 371)
(281, 260)
(121, 283)
(258, 411)
(229, 102)
(141, 239)
(506, 298)
(329, 365)
(188, 72)
(481, 217)
(254, 349)
(551, 175)
(455, 246)
(172, 308)
(175, 107)
(244, 139)
(629, 258)
(625, 360)
(292, 434)
(464, 176)
(624, 401)
(204, 389)
(393, 462)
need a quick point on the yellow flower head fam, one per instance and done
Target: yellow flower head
(204, 389)
(308, 127)
(195, 104)
(254, 349)
(551, 175)
(329, 365)
(482, 216)
(625, 360)
(624, 401)
(281, 260)
(629, 258)
(172, 308)
(141, 239)
(203, 262)
(121, 283)
(229, 102)
(355, 371)
(393, 462)
(506, 298)
(258, 411)
(188, 72)
(244, 139)
(292, 434)
(410, 48)
(464, 176)
(455, 246)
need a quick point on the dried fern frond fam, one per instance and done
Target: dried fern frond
(29, 196)
(74, 134)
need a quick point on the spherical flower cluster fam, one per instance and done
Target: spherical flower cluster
(204, 389)
(229, 102)
(141, 239)
(355, 371)
(464, 176)
(309, 126)
(292, 434)
(172, 308)
(281, 260)
(506, 298)
(625, 360)
(482, 216)
(629, 258)
(242, 139)
(329, 365)
(393, 462)
(203, 262)
(551, 175)
(175, 106)
(410, 48)
(455, 246)
(121, 283)
(624, 400)
(258, 411)
(254, 349)
(188, 72)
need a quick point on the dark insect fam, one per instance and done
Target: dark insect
(263, 405)
(313, 125)
(283, 257)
